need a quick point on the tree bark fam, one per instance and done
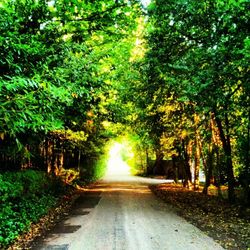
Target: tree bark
(158, 160)
(208, 169)
(187, 171)
(208, 165)
(244, 176)
(79, 161)
(175, 167)
(226, 142)
(197, 154)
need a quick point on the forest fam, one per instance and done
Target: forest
(172, 78)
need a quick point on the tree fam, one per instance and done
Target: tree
(197, 57)
(54, 57)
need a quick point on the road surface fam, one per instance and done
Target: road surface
(122, 214)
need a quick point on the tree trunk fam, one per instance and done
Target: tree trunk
(247, 167)
(244, 176)
(225, 139)
(47, 154)
(53, 159)
(208, 165)
(208, 169)
(158, 160)
(79, 161)
(175, 167)
(187, 171)
(147, 159)
(197, 154)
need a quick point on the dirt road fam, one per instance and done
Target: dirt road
(122, 214)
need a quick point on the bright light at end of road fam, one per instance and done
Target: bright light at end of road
(116, 166)
(145, 2)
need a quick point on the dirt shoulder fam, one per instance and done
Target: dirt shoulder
(227, 224)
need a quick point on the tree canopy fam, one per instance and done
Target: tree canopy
(175, 75)
(195, 97)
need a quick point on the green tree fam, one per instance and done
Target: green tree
(57, 62)
(197, 56)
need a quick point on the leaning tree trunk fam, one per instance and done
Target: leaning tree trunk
(226, 142)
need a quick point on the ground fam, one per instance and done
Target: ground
(227, 224)
(123, 214)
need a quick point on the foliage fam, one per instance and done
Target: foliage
(74, 74)
(60, 71)
(25, 197)
(195, 71)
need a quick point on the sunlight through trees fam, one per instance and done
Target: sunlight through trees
(171, 77)
(116, 165)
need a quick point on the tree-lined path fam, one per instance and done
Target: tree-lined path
(121, 213)
(165, 82)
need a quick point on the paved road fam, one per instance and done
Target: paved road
(122, 214)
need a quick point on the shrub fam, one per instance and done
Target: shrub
(25, 196)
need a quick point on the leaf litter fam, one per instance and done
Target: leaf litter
(228, 224)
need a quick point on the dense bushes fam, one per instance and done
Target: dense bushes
(24, 197)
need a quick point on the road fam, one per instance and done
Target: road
(120, 213)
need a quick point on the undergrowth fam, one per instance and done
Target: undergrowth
(25, 196)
